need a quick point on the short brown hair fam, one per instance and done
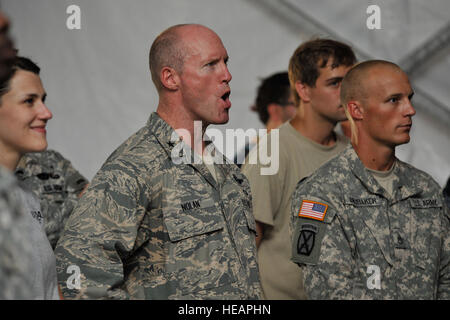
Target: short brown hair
(314, 54)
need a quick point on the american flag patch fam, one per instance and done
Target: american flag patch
(312, 209)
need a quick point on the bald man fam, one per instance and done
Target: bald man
(367, 225)
(152, 226)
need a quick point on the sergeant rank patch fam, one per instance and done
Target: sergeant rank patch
(313, 210)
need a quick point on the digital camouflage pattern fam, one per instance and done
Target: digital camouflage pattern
(57, 184)
(15, 251)
(148, 228)
(406, 236)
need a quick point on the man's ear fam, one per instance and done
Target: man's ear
(302, 91)
(169, 78)
(355, 109)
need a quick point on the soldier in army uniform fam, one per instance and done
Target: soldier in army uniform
(57, 184)
(367, 225)
(15, 251)
(23, 119)
(152, 227)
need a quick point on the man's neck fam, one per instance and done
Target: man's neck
(272, 124)
(314, 128)
(375, 156)
(191, 133)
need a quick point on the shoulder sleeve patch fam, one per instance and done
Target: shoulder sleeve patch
(313, 210)
(309, 226)
(307, 240)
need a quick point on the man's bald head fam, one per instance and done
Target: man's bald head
(363, 81)
(354, 86)
(172, 47)
(166, 51)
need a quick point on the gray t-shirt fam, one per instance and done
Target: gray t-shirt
(45, 283)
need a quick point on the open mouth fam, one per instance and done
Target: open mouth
(226, 96)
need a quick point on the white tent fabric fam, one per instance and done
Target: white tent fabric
(100, 90)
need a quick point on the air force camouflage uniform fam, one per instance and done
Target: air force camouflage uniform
(57, 184)
(148, 228)
(15, 251)
(371, 245)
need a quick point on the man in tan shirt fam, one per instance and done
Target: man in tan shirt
(274, 104)
(305, 143)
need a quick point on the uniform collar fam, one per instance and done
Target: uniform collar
(360, 171)
(169, 139)
(163, 132)
(404, 185)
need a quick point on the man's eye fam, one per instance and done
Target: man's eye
(29, 101)
(334, 83)
(393, 100)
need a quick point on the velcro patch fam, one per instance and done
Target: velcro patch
(364, 202)
(306, 240)
(197, 204)
(425, 203)
(313, 210)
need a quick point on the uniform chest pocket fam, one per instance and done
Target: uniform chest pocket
(238, 200)
(198, 255)
(367, 214)
(425, 225)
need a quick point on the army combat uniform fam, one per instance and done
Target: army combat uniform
(53, 180)
(15, 251)
(148, 228)
(353, 240)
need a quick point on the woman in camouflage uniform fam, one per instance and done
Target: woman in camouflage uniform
(23, 117)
